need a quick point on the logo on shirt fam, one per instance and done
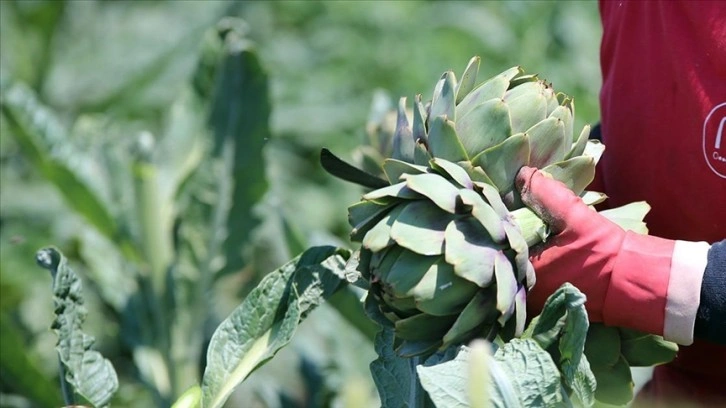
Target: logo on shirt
(714, 140)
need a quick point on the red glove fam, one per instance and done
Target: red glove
(627, 277)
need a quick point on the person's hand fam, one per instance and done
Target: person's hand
(624, 275)
(582, 248)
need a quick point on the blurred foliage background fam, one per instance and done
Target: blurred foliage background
(111, 70)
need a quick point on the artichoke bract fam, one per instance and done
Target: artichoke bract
(445, 236)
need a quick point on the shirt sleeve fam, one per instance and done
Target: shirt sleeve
(711, 316)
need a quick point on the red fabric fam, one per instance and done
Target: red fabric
(632, 284)
(598, 257)
(663, 105)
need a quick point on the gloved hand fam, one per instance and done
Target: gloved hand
(625, 275)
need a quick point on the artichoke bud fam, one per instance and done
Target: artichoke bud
(445, 244)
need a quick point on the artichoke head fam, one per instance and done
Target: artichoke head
(444, 234)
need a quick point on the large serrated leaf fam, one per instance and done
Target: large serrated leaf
(532, 373)
(564, 320)
(267, 319)
(239, 119)
(86, 370)
(448, 383)
(395, 377)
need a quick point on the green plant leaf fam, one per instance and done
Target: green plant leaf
(395, 376)
(267, 319)
(532, 373)
(564, 321)
(189, 399)
(20, 368)
(45, 142)
(520, 374)
(91, 375)
(239, 120)
(484, 126)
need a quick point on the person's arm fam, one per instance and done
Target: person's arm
(660, 286)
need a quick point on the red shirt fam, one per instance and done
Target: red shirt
(663, 104)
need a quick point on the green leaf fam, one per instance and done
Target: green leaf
(453, 172)
(267, 319)
(379, 236)
(493, 88)
(395, 377)
(485, 215)
(566, 115)
(394, 169)
(547, 142)
(576, 173)
(420, 228)
(480, 310)
(444, 98)
(191, 398)
(646, 350)
(344, 171)
(614, 383)
(45, 143)
(364, 215)
(20, 367)
(403, 141)
(602, 346)
(629, 216)
(484, 126)
(443, 141)
(471, 251)
(526, 111)
(398, 190)
(347, 302)
(564, 316)
(440, 292)
(468, 79)
(423, 327)
(506, 286)
(436, 188)
(91, 375)
(502, 162)
(419, 120)
(239, 120)
(533, 374)
(521, 374)
(578, 146)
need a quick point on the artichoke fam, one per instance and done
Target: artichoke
(445, 236)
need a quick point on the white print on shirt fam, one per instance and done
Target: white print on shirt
(714, 140)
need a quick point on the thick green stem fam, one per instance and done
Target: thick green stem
(157, 247)
(532, 227)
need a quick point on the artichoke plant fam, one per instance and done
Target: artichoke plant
(445, 235)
